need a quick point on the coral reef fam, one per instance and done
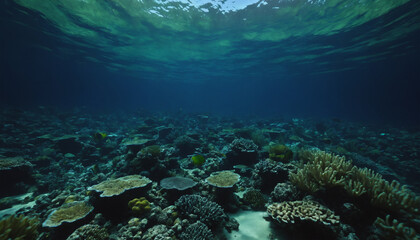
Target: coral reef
(118, 186)
(326, 170)
(89, 232)
(208, 212)
(139, 206)
(158, 232)
(133, 230)
(242, 151)
(19, 228)
(254, 198)
(296, 211)
(223, 179)
(392, 196)
(394, 230)
(268, 173)
(323, 170)
(186, 145)
(13, 162)
(143, 143)
(280, 152)
(68, 213)
(197, 231)
(178, 183)
(284, 192)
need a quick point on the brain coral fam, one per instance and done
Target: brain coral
(118, 186)
(139, 205)
(68, 213)
(294, 211)
(223, 179)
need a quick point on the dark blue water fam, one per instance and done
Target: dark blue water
(386, 90)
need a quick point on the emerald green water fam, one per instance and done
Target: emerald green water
(199, 40)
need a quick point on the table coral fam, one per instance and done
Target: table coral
(118, 186)
(223, 179)
(68, 213)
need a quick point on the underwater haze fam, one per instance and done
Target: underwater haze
(210, 119)
(350, 59)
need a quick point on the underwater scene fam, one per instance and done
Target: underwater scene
(209, 119)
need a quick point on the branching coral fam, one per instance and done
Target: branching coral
(18, 228)
(294, 211)
(324, 170)
(383, 194)
(394, 230)
(328, 170)
(208, 212)
(197, 230)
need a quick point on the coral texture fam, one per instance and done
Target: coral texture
(89, 232)
(208, 212)
(280, 152)
(139, 206)
(68, 213)
(326, 170)
(118, 186)
(197, 231)
(223, 179)
(13, 162)
(294, 211)
(323, 170)
(18, 228)
(394, 230)
(178, 183)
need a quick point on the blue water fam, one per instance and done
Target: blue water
(248, 82)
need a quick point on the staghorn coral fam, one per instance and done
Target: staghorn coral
(383, 194)
(208, 212)
(393, 230)
(68, 213)
(328, 170)
(295, 211)
(114, 187)
(19, 228)
(323, 170)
